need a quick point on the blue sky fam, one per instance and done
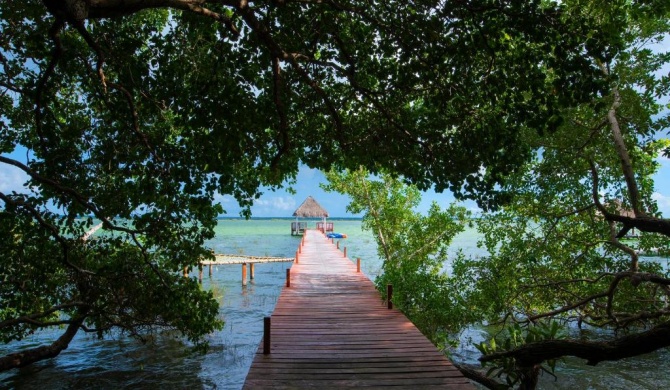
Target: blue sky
(283, 204)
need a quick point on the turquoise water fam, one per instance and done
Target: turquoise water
(168, 364)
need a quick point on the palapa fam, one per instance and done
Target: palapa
(310, 208)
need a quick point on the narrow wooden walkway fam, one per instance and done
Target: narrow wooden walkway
(330, 329)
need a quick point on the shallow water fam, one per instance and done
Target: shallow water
(168, 364)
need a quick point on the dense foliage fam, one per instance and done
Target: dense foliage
(413, 247)
(561, 256)
(137, 113)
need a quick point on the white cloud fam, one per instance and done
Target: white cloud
(276, 204)
(12, 179)
(663, 202)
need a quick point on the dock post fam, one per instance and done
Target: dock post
(288, 277)
(251, 270)
(389, 295)
(297, 256)
(210, 270)
(345, 251)
(244, 274)
(266, 335)
(358, 264)
(338, 244)
(200, 272)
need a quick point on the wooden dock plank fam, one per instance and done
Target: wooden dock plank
(330, 329)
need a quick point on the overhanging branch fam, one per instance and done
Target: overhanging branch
(593, 352)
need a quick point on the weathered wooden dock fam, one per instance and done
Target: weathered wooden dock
(330, 329)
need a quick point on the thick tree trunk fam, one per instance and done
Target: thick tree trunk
(593, 352)
(24, 358)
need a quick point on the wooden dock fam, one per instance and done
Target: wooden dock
(330, 329)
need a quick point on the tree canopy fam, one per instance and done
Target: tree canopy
(561, 256)
(136, 113)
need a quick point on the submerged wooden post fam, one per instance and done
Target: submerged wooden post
(244, 274)
(251, 270)
(389, 295)
(200, 272)
(358, 264)
(288, 277)
(266, 335)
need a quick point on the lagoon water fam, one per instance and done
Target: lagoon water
(167, 363)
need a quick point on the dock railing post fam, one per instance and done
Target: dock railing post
(297, 256)
(389, 295)
(288, 277)
(345, 251)
(358, 264)
(338, 244)
(266, 335)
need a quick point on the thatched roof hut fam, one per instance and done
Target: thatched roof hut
(310, 208)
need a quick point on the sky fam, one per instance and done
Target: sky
(282, 204)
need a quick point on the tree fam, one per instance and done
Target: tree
(413, 247)
(136, 113)
(559, 253)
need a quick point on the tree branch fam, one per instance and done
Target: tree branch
(593, 352)
(480, 378)
(27, 357)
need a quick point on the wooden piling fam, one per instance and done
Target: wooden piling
(200, 272)
(251, 270)
(266, 335)
(244, 274)
(389, 295)
(210, 270)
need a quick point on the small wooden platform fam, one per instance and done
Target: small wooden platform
(241, 259)
(330, 329)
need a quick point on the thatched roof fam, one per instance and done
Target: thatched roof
(310, 208)
(620, 209)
